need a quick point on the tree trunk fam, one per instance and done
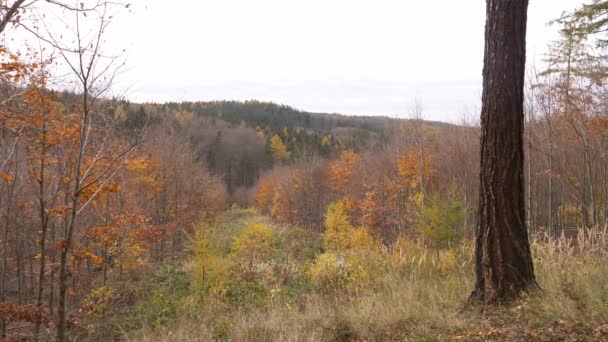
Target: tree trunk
(589, 181)
(503, 259)
(66, 245)
(52, 280)
(605, 186)
(3, 287)
(563, 204)
(44, 220)
(551, 223)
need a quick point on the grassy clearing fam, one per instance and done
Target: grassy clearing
(392, 293)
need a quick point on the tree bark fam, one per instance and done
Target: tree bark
(503, 259)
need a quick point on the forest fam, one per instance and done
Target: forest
(255, 221)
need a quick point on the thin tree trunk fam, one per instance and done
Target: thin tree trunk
(20, 273)
(466, 181)
(529, 182)
(562, 206)
(551, 223)
(52, 280)
(584, 203)
(43, 225)
(69, 233)
(5, 239)
(535, 210)
(605, 187)
(589, 181)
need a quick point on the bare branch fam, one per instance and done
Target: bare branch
(9, 15)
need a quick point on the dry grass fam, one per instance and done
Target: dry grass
(418, 295)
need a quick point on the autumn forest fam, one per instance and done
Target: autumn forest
(255, 221)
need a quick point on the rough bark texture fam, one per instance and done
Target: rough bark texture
(503, 259)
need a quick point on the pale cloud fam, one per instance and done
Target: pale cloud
(353, 57)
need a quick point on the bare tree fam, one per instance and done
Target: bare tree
(95, 159)
(416, 116)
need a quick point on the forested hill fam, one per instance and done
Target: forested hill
(276, 117)
(273, 117)
(240, 140)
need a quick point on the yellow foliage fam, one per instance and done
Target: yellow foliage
(183, 116)
(405, 246)
(137, 164)
(276, 210)
(364, 269)
(210, 269)
(255, 244)
(447, 262)
(340, 235)
(338, 228)
(133, 258)
(278, 148)
(349, 271)
(325, 141)
(329, 270)
(361, 240)
(418, 199)
(350, 260)
(569, 210)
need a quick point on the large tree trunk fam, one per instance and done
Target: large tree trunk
(503, 259)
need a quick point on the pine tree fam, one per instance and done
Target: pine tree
(502, 251)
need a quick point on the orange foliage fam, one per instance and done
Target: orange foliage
(264, 194)
(409, 165)
(341, 171)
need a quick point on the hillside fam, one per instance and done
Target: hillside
(248, 279)
(257, 221)
(233, 139)
(276, 116)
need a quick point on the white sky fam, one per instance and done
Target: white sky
(346, 56)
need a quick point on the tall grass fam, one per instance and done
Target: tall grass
(418, 293)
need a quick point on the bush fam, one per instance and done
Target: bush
(351, 258)
(329, 270)
(209, 268)
(163, 298)
(440, 222)
(251, 255)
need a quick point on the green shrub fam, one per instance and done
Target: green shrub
(441, 222)
(161, 301)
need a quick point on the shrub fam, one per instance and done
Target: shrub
(329, 270)
(440, 222)
(255, 244)
(209, 269)
(351, 258)
(162, 297)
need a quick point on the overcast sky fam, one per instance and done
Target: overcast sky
(346, 56)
